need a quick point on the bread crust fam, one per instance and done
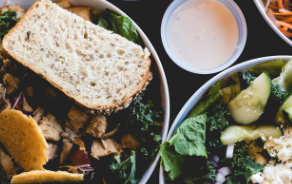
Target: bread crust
(106, 109)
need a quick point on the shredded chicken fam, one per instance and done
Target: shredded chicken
(72, 136)
(109, 134)
(98, 149)
(7, 165)
(67, 146)
(19, 10)
(26, 106)
(38, 114)
(63, 4)
(29, 91)
(51, 151)
(129, 141)
(50, 128)
(2, 91)
(76, 119)
(10, 82)
(98, 126)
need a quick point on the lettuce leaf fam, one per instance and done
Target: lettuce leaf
(190, 137)
(171, 161)
(118, 24)
(211, 98)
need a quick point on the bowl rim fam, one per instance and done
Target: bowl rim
(259, 5)
(164, 90)
(231, 60)
(194, 99)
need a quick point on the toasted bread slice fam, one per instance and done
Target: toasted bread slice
(23, 139)
(46, 177)
(97, 68)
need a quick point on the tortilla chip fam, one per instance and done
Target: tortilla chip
(23, 139)
(46, 176)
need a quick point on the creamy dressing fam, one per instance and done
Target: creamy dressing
(202, 34)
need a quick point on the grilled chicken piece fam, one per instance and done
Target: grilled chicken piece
(63, 4)
(38, 114)
(84, 12)
(26, 106)
(10, 82)
(51, 151)
(18, 8)
(7, 165)
(73, 137)
(50, 128)
(67, 146)
(2, 91)
(76, 119)
(129, 141)
(98, 126)
(101, 149)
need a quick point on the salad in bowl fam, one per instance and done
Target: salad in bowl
(235, 129)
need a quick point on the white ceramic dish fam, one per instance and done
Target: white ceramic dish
(101, 5)
(242, 36)
(261, 7)
(194, 99)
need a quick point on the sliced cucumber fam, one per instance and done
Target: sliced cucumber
(280, 116)
(288, 113)
(249, 105)
(236, 133)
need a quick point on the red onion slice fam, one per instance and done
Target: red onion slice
(220, 178)
(225, 171)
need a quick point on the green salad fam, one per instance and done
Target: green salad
(239, 132)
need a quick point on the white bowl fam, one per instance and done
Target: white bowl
(271, 20)
(194, 99)
(242, 36)
(101, 5)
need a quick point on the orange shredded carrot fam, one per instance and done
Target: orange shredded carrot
(285, 28)
(280, 23)
(283, 14)
(286, 4)
(287, 33)
(283, 10)
(273, 7)
(280, 4)
(288, 19)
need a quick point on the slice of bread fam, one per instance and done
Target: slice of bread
(23, 140)
(46, 177)
(97, 68)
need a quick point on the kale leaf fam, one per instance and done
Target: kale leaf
(242, 166)
(279, 92)
(8, 19)
(118, 24)
(216, 123)
(119, 168)
(248, 77)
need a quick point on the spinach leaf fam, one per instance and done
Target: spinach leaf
(8, 19)
(190, 137)
(118, 24)
(211, 98)
(171, 161)
(119, 168)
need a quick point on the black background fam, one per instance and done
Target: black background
(261, 41)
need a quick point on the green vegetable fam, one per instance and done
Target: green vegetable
(118, 24)
(8, 19)
(288, 113)
(171, 161)
(119, 168)
(205, 175)
(280, 119)
(278, 92)
(235, 133)
(216, 122)
(211, 98)
(142, 119)
(190, 137)
(248, 77)
(273, 67)
(285, 78)
(242, 166)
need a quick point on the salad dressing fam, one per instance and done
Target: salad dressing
(202, 34)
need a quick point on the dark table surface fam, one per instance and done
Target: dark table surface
(261, 41)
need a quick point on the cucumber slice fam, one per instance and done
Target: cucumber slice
(288, 113)
(249, 105)
(236, 133)
(280, 116)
